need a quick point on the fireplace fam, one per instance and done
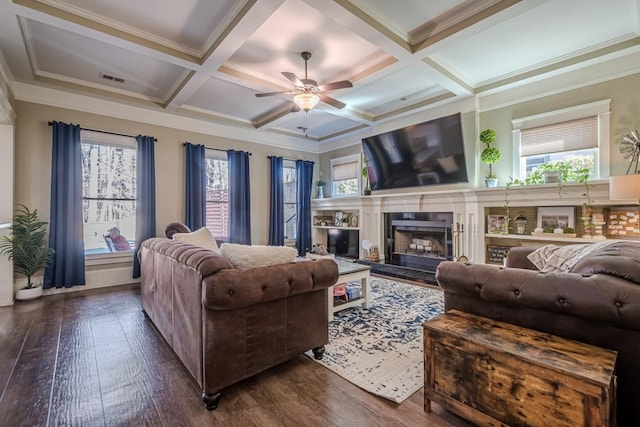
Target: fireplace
(418, 240)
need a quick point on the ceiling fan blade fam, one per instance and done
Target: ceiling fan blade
(292, 77)
(331, 101)
(336, 85)
(260, 95)
(295, 108)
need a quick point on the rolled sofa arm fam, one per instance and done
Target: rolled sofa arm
(517, 258)
(598, 297)
(231, 289)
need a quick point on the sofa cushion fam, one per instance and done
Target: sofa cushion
(201, 237)
(244, 257)
(562, 258)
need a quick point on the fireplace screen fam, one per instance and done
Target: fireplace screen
(422, 241)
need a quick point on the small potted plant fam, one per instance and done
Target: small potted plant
(489, 155)
(320, 184)
(27, 248)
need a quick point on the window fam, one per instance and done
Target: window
(345, 176)
(290, 199)
(108, 192)
(578, 135)
(217, 194)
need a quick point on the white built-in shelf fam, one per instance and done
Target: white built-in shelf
(334, 227)
(542, 238)
(5, 225)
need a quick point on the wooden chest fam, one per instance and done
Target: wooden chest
(495, 374)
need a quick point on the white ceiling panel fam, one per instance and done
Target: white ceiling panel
(60, 54)
(405, 85)
(319, 122)
(219, 96)
(188, 23)
(295, 27)
(551, 31)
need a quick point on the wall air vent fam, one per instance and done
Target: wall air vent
(112, 78)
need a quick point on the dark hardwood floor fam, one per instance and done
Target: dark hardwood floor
(91, 358)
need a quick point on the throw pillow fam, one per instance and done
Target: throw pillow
(244, 257)
(540, 256)
(201, 237)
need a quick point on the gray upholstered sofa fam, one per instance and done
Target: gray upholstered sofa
(226, 324)
(597, 302)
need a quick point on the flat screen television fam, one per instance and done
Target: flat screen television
(428, 153)
(344, 243)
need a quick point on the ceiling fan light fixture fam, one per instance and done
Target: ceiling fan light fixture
(306, 101)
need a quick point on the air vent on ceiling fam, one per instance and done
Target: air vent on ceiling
(112, 78)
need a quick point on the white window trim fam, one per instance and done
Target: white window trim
(600, 108)
(347, 159)
(109, 258)
(92, 137)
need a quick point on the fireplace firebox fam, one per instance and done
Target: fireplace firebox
(418, 240)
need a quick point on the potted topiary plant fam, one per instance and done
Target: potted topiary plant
(27, 248)
(489, 155)
(365, 175)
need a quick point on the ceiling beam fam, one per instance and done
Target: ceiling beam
(254, 14)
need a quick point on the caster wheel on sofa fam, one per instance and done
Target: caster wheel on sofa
(318, 352)
(211, 400)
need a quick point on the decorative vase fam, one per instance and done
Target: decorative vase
(321, 192)
(26, 294)
(491, 182)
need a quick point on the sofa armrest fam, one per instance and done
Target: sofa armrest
(599, 297)
(517, 258)
(231, 289)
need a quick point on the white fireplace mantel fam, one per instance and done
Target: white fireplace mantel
(467, 204)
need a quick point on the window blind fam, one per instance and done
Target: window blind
(567, 136)
(345, 171)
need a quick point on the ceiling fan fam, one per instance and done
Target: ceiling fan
(308, 92)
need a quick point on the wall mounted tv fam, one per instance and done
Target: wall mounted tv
(428, 153)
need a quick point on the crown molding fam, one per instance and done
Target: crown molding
(174, 120)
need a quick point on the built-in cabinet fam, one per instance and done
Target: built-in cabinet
(470, 208)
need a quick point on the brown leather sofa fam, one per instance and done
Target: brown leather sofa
(226, 324)
(596, 302)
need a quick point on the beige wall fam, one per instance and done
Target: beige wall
(33, 162)
(625, 116)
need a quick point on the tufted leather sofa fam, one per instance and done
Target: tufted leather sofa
(597, 302)
(225, 324)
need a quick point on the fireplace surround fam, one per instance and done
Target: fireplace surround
(418, 240)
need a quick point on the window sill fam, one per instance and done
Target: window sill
(108, 258)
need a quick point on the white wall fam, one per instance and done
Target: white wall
(6, 208)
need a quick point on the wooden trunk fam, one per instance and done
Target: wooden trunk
(495, 374)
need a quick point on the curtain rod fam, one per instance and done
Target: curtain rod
(107, 132)
(284, 158)
(211, 148)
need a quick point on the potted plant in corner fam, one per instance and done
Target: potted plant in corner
(27, 248)
(489, 155)
(320, 184)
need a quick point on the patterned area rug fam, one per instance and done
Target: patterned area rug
(380, 349)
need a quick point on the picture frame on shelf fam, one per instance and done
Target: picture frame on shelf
(497, 224)
(556, 217)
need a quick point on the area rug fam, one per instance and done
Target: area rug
(380, 349)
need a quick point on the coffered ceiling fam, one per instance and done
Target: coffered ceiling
(208, 59)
